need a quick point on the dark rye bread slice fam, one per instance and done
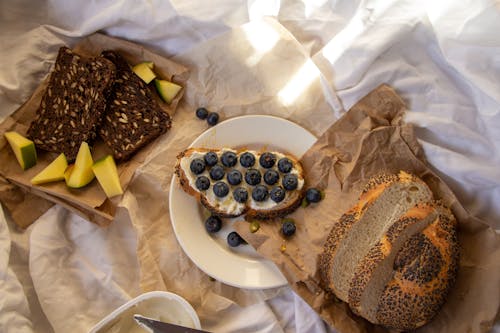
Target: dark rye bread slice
(425, 270)
(133, 117)
(376, 269)
(219, 206)
(73, 103)
(381, 203)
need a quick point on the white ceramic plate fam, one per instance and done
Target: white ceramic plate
(241, 266)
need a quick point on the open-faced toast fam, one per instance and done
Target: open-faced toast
(231, 182)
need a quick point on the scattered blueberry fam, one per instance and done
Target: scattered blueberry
(202, 113)
(290, 182)
(277, 194)
(267, 160)
(213, 224)
(240, 195)
(234, 177)
(221, 189)
(288, 227)
(213, 118)
(197, 166)
(202, 183)
(313, 195)
(271, 176)
(247, 160)
(229, 159)
(211, 158)
(285, 165)
(233, 239)
(252, 177)
(260, 193)
(217, 172)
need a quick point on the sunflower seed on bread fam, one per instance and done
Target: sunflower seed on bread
(73, 103)
(133, 117)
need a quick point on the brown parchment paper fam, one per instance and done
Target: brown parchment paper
(90, 202)
(369, 139)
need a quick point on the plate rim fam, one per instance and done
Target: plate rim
(266, 263)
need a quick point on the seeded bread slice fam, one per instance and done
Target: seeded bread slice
(133, 117)
(425, 269)
(227, 206)
(376, 269)
(382, 202)
(73, 103)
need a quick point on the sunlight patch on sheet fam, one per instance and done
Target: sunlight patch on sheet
(262, 37)
(257, 9)
(299, 83)
(312, 5)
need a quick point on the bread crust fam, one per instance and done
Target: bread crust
(291, 202)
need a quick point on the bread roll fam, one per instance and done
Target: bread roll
(393, 257)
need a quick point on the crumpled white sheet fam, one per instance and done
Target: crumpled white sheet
(442, 57)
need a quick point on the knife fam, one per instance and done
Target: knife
(160, 327)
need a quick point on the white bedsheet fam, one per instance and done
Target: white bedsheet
(443, 57)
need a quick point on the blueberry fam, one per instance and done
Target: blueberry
(213, 118)
(213, 224)
(267, 160)
(211, 158)
(271, 177)
(277, 194)
(229, 159)
(234, 177)
(313, 195)
(202, 113)
(247, 160)
(240, 195)
(197, 166)
(233, 239)
(260, 193)
(290, 182)
(252, 177)
(221, 189)
(202, 183)
(285, 165)
(217, 172)
(288, 227)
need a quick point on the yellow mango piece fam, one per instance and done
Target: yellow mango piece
(23, 148)
(52, 172)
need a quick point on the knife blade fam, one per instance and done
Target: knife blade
(162, 327)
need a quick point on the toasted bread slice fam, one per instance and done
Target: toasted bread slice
(272, 194)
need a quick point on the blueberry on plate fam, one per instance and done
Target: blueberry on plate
(271, 177)
(240, 195)
(267, 160)
(288, 227)
(290, 182)
(213, 224)
(211, 158)
(221, 189)
(213, 118)
(247, 160)
(260, 193)
(202, 183)
(217, 172)
(234, 239)
(197, 166)
(313, 195)
(285, 165)
(252, 177)
(277, 194)
(234, 177)
(202, 113)
(229, 159)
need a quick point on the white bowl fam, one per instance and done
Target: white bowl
(160, 305)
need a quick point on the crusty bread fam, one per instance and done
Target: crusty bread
(382, 202)
(393, 256)
(227, 206)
